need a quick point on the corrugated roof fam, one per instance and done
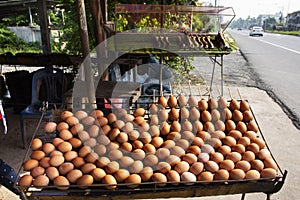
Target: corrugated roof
(17, 7)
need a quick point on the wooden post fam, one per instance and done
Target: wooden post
(44, 26)
(100, 36)
(84, 37)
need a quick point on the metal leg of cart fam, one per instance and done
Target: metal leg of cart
(215, 61)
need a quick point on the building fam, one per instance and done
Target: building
(293, 21)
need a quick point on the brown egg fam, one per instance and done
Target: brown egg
(172, 101)
(87, 168)
(215, 115)
(128, 127)
(139, 112)
(64, 147)
(162, 153)
(136, 167)
(163, 167)
(173, 160)
(184, 113)
(159, 178)
(190, 158)
(122, 137)
(237, 174)
(194, 149)
(253, 147)
(186, 126)
(56, 141)
(268, 173)
(188, 178)
(252, 126)
(212, 103)
(52, 172)
(197, 126)
(211, 166)
(252, 174)
(219, 125)
(234, 156)
(121, 112)
(88, 120)
(239, 148)
(105, 129)
(85, 180)
(162, 101)
(36, 144)
(226, 114)
(214, 142)
(102, 121)
(209, 127)
(264, 154)
(44, 162)
(173, 114)
(115, 154)
(197, 141)
(75, 143)
(205, 116)
(177, 151)
(270, 163)
(250, 134)
(112, 167)
(62, 182)
(202, 105)
(65, 114)
(70, 155)
(241, 126)
(243, 165)
(48, 148)
(168, 144)
(244, 141)
(80, 114)
(206, 176)
(192, 101)
(146, 173)
(102, 162)
(126, 147)
(153, 109)
(56, 160)
(183, 143)
(181, 100)
(138, 154)
(91, 142)
(234, 105)
(111, 117)
(260, 142)
(203, 157)
(218, 134)
(25, 180)
(196, 168)
(150, 160)
(164, 128)
(65, 134)
(173, 177)
(207, 148)
(247, 116)
(98, 174)
(163, 115)
(121, 175)
(76, 128)
(133, 135)
(74, 175)
(227, 165)
(181, 167)
(194, 114)
(125, 162)
(216, 157)
(137, 144)
(221, 174)
(204, 135)
(257, 165)
(50, 127)
(222, 103)
(41, 181)
(71, 121)
(230, 125)
(83, 135)
(145, 137)
(110, 181)
(235, 134)
(248, 156)
(244, 105)
(62, 126)
(237, 116)
(78, 162)
(153, 120)
(36, 171)
(30, 164)
(56, 153)
(37, 155)
(224, 150)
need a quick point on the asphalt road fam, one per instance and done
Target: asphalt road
(274, 59)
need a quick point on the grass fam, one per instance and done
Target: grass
(296, 33)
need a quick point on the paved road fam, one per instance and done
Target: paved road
(275, 60)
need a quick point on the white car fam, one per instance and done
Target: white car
(256, 30)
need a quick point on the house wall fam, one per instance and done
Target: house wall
(28, 34)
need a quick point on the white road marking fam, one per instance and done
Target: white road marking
(294, 51)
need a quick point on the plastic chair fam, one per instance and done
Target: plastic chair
(48, 85)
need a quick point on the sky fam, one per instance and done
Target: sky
(253, 8)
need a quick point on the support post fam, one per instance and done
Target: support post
(44, 25)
